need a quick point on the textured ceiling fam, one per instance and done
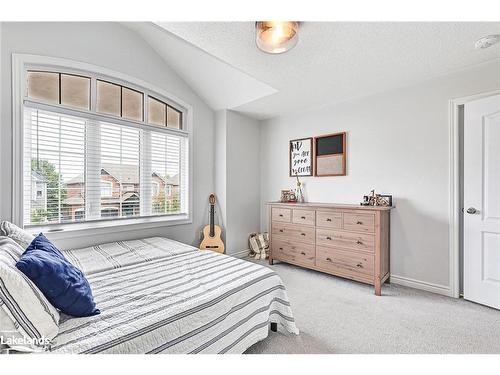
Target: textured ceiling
(218, 83)
(336, 61)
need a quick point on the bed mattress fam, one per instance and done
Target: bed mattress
(160, 296)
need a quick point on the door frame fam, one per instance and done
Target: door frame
(454, 183)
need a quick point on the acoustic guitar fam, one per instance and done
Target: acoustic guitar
(212, 232)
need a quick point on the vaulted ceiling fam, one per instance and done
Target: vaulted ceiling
(333, 61)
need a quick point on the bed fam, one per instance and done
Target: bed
(157, 295)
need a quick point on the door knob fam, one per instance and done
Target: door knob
(471, 210)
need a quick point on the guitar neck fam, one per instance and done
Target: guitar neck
(212, 228)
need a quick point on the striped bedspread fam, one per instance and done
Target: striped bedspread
(114, 255)
(159, 296)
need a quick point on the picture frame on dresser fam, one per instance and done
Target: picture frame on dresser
(343, 240)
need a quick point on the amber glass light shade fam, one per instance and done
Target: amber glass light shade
(276, 36)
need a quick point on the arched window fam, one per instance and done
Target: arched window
(100, 144)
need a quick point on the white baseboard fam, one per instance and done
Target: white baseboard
(423, 285)
(240, 254)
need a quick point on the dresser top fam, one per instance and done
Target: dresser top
(331, 205)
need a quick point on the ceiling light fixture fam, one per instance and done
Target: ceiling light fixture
(487, 41)
(276, 36)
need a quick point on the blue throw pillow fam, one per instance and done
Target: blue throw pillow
(63, 284)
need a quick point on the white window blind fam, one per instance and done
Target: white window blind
(91, 169)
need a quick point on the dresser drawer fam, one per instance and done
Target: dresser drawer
(297, 252)
(306, 217)
(329, 219)
(293, 232)
(359, 222)
(281, 214)
(345, 262)
(346, 240)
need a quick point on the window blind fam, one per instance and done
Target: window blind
(78, 168)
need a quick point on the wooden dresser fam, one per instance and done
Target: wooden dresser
(350, 241)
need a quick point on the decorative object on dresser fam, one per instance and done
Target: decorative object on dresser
(212, 233)
(350, 241)
(288, 196)
(301, 151)
(330, 155)
(377, 200)
(299, 192)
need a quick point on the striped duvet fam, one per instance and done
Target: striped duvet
(160, 296)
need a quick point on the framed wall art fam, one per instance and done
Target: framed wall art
(301, 157)
(330, 155)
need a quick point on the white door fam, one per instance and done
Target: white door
(482, 201)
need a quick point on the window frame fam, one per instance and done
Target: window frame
(21, 63)
(110, 186)
(156, 189)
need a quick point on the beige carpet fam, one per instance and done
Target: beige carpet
(341, 316)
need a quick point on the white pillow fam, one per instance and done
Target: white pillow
(22, 302)
(19, 235)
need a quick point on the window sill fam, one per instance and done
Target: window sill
(64, 231)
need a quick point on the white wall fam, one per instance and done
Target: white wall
(237, 179)
(115, 47)
(220, 140)
(243, 187)
(397, 143)
(1, 132)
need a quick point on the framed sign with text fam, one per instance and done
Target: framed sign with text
(301, 157)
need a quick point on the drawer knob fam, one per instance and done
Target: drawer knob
(303, 253)
(329, 238)
(329, 259)
(280, 215)
(359, 242)
(281, 248)
(359, 265)
(281, 230)
(302, 234)
(328, 219)
(303, 217)
(359, 222)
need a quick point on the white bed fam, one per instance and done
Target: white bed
(160, 296)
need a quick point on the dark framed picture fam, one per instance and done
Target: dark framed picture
(330, 155)
(301, 157)
(385, 200)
